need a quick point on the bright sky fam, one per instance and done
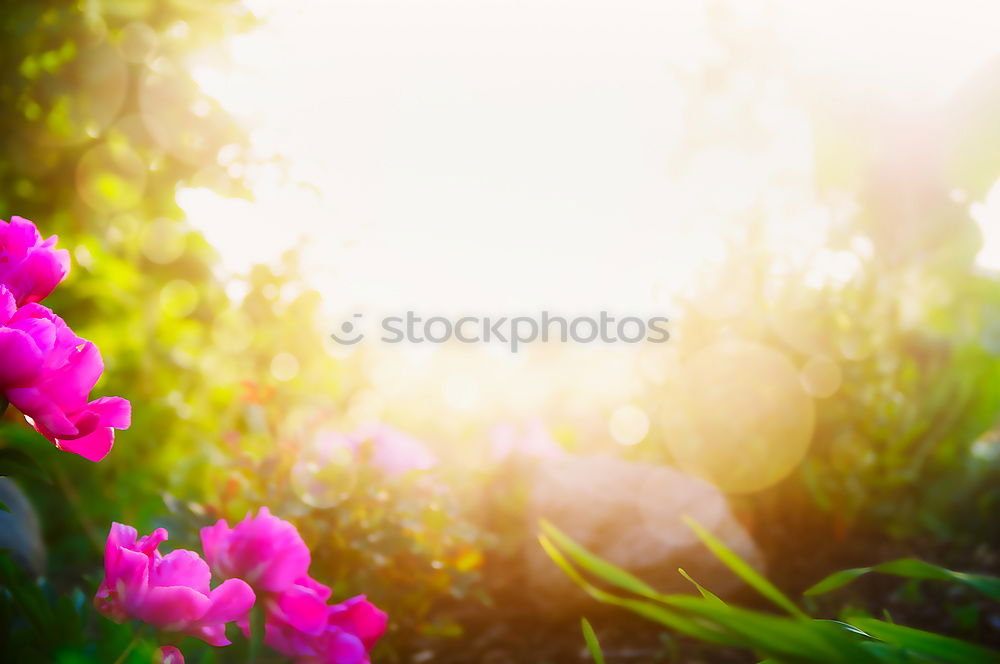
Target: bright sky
(498, 155)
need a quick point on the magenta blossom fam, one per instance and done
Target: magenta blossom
(265, 551)
(269, 553)
(168, 655)
(47, 372)
(170, 592)
(345, 633)
(30, 268)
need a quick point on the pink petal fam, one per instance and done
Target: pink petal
(213, 539)
(19, 236)
(7, 304)
(127, 578)
(47, 417)
(181, 567)
(38, 274)
(42, 331)
(230, 601)
(265, 551)
(172, 608)
(343, 648)
(147, 543)
(120, 536)
(361, 618)
(94, 446)
(70, 384)
(213, 635)
(302, 609)
(20, 358)
(114, 412)
(315, 587)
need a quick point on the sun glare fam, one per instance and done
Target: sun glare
(489, 157)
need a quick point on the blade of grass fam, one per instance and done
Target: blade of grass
(600, 568)
(936, 646)
(787, 639)
(593, 645)
(654, 612)
(780, 637)
(742, 569)
(707, 594)
(910, 568)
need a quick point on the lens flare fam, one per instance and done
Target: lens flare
(739, 416)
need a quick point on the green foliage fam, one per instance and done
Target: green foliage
(98, 119)
(43, 625)
(799, 638)
(102, 123)
(898, 446)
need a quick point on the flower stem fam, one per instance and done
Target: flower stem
(74, 500)
(132, 644)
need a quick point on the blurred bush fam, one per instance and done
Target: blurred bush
(102, 123)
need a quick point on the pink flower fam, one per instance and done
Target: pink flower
(170, 592)
(345, 633)
(269, 553)
(47, 372)
(359, 618)
(29, 268)
(388, 449)
(168, 655)
(532, 441)
(265, 551)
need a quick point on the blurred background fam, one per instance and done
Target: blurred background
(809, 191)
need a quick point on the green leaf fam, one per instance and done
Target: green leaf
(15, 463)
(598, 567)
(836, 580)
(786, 639)
(707, 594)
(911, 568)
(646, 609)
(941, 648)
(780, 637)
(27, 595)
(742, 569)
(592, 643)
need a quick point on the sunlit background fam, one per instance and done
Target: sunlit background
(503, 158)
(809, 191)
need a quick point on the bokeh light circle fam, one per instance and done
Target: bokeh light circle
(84, 95)
(738, 416)
(168, 100)
(232, 331)
(138, 42)
(629, 424)
(111, 177)
(284, 366)
(163, 241)
(325, 474)
(803, 322)
(178, 298)
(820, 376)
